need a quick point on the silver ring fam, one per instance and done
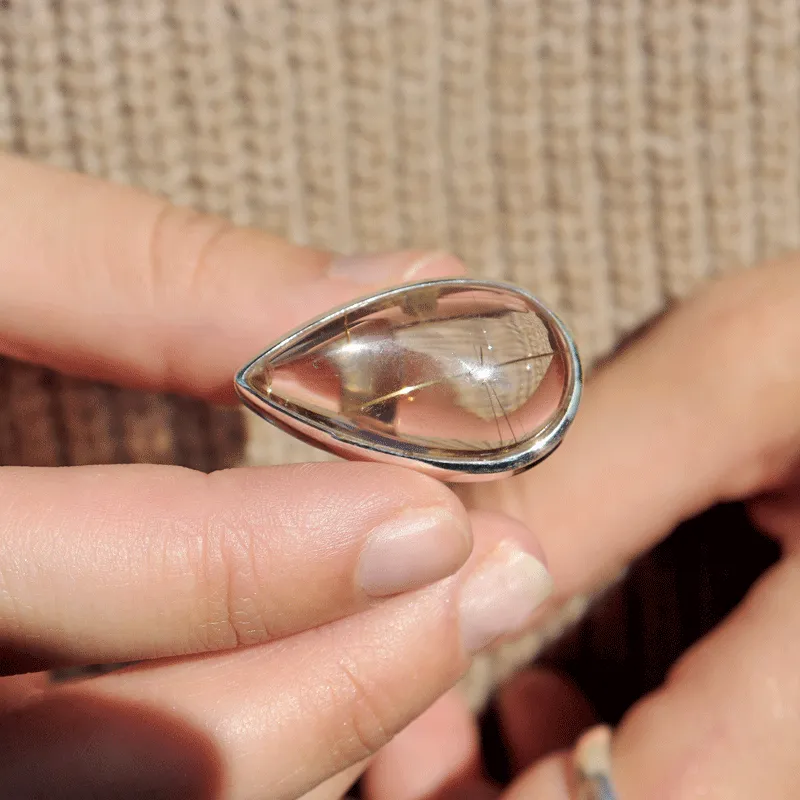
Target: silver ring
(462, 379)
(592, 765)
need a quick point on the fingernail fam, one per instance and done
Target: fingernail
(500, 597)
(411, 550)
(390, 268)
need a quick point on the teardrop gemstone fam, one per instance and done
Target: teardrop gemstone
(462, 379)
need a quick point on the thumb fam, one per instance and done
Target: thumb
(701, 409)
(110, 283)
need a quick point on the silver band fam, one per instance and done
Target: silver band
(592, 763)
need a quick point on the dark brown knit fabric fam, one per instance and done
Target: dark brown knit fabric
(47, 419)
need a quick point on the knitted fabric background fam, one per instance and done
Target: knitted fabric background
(606, 154)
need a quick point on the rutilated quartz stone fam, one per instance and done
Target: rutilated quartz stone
(446, 370)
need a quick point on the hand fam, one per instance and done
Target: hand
(704, 408)
(281, 613)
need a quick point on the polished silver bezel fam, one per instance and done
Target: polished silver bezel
(484, 466)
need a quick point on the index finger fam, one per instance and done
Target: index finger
(702, 409)
(108, 282)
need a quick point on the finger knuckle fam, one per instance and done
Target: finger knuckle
(180, 243)
(368, 717)
(180, 273)
(235, 607)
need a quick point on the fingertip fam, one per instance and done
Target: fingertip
(422, 490)
(435, 264)
(386, 269)
(492, 527)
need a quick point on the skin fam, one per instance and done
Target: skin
(253, 690)
(267, 668)
(707, 400)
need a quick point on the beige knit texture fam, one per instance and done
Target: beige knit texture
(606, 154)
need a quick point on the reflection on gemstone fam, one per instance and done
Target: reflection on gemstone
(443, 369)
